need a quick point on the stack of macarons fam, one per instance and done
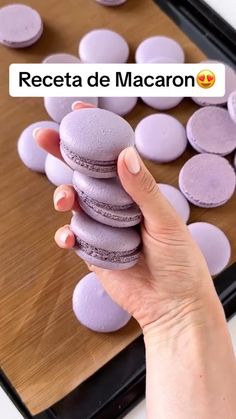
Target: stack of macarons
(105, 233)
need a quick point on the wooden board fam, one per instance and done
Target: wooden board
(43, 349)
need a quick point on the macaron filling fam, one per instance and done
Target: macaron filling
(106, 255)
(93, 165)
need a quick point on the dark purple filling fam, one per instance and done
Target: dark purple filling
(94, 165)
(106, 255)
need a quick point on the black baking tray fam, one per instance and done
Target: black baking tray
(118, 386)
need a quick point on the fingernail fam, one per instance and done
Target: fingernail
(59, 197)
(132, 161)
(64, 236)
(81, 105)
(36, 131)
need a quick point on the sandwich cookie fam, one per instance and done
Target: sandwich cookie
(92, 139)
(159, 46)
(119, 105)
(160, 138)
(211, 130)
(57, 171)
(213, 244)
(207, 180)
(106, 201)
(104, 246)
(61, 58)
(58, 107)
(176, 199)
(230, 86)
(103, 46)
(94, 308)
(232, 106)
(30, 153)
(20, 26)
(111, 2)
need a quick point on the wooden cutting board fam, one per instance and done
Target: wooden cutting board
(43, 350)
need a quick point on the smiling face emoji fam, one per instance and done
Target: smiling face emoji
(206, 79)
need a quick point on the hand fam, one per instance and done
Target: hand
(171, 280)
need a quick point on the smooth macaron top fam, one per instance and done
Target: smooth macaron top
(211, 130)
(102, 236)
(95, 134)
(232, 106)
(159, 46)
(108, 191)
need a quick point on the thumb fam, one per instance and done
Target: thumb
(143, 189)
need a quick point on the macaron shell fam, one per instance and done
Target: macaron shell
(207, 180)
(111, 2)
(230, 86)
(57, 172)
(160, 138)
(211, 130)
(162, 103)
(96, 134)
(94, 308)
(119, 105)
(109, 191)
(232, 106)
(103, 46)
(214, 245)
(58, 107)
(30, 153)
(176, 199)
(20, 26)
(60, 58)
(159, 46)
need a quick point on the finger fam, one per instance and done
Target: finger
(142, 187)
(64, 237)
(49, 140)
(65, 199)
(81, 105)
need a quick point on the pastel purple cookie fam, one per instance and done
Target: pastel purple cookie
(235, 160)
(111, 2)
(92, 139)
(106, 201)
(160, 138)
(230, 86)
(207, 180)
(104, 246)
(176, 199)
(211, 130)
(232, 106)
(20, 26)
(57, 171)
(30, 153)
(159, 46)
(58, 107)
(61, 57)
(103, 46)
(94, 308)
(119, 105)
(214, 245)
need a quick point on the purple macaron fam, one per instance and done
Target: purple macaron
(176, 199)
(57, 171)
(230, 86)
(119, 105)
(159, 46)
(103, 46)
(211, 130)
(111, 2)
(104, 246)
(61, 58)
(214, 245)
(232, 106)
(30, 153)
(92, 139)
(94, 308)
(207, 180)
(160, 138)
(58, 107)
(106, 201)
(20, 26)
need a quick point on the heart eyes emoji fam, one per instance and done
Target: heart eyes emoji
(206, 79)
